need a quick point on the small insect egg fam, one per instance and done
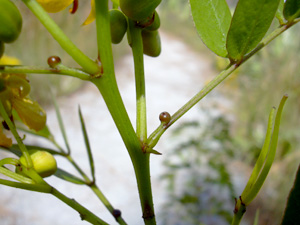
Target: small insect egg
(53, 61)
(164, 117)
(116, 213)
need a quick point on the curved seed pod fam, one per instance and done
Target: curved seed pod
(43, 162)
(118, 25)
(151, 43)
(10, 21)
(138, 10)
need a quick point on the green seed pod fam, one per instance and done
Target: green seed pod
(10, 21)
(155, 22)
(118, 25)
(151, 43)
(138, 10)
(43, 162)
(1, 48)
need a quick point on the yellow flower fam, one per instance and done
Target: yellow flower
(92, 15)
(14, 91)
(4, 141)
(53, 6)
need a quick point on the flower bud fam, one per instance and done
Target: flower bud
(43, 162)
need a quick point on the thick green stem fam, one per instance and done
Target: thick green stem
(136, 43)
(107, 86)
(85, 62)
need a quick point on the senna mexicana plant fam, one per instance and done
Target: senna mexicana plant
(237, 37)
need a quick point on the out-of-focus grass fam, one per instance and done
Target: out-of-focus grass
(254, 89)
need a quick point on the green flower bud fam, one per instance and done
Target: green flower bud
(10, 21)
(118, 25)
(43, 162)
(155, 22)
(139, 10)
(151, 43)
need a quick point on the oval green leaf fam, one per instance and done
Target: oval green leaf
(250, 22)
(291, 9)
(212, 20)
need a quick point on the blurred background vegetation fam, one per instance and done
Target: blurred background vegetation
(198, 172)
(254, 89)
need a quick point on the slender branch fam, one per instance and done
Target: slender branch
(16, 176)
(94, 187)
(137, 51)
(44, 188)
(239, 211)
(16, 135)
(72, 72)
(85, 62)
(85, 214)
(155, 136)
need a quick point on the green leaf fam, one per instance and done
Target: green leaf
(15, 149)
(87, 144)
(212, 19)
(250, 22)
(62, 174)
(292, 212)
(61, 124)
(291, 9)
(45, 132)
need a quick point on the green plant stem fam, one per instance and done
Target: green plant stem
(30, 187)
(72, 72)
(239, 212)
(95, 189)
(16, 135)
(15, 176)
(85, 214)
(107, 86)
(155, 136)
(85, 62)
(136, 43)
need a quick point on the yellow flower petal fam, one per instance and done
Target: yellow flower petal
(18, 85)
(30, 113)
(92, 15)
(4, 141)
(7, 60)
(53, 6)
